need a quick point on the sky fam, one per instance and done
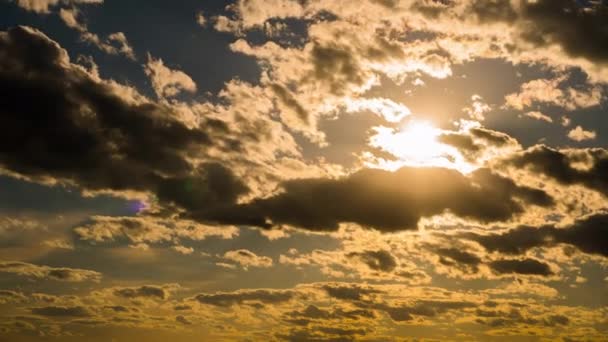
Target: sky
(303, 170)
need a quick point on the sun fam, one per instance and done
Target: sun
(416, 144)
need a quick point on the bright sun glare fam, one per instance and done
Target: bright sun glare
(416, 144)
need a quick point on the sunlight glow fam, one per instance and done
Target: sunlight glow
(416, 144)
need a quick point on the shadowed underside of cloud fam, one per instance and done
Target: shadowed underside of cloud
(47, 272)
(592, 172)
(579, 27)
(57, 120)
(388, 201)
(146, 291)
(589, 235)
(227, 299)
(525, 266)
(60, 311)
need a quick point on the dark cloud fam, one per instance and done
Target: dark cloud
(47, 272)
(493, 10)
(377, 260)
(558, 165)
(145, 291)
(588, 234)
(554, 320)
(491, 137)
(61, 311)
(337, 67)
(459, 258)
(226, 299)
(580, 27)
(524, 266)
(312, 312)
(210, 185)
(117, 308)
(183, 320)
(388, 201)
(424, 308)
(460, 141)
(59, 121)
(289, 101)
(349, 292)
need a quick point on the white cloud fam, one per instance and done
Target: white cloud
(580, 134)
(168, 82)
(538, 116)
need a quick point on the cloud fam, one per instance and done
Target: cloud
(167, 82)
(246, 259)
(182, 320)
(388, 201)
(115, 43)
(387, 109)
(149, 230)
(312, 312)
(42, 6)
(98, 134)
(579, 134)
(376, 260)
(450, 256)
(183, 250)
(146, 291)
(548, 92)
(8, 296)
(478, 108)
(523, 266)
(588, 234)
(581, 37)
(61, 311)
(586, 167)
(47, 272)
(226, 299)
(352, 292)
(536, 115)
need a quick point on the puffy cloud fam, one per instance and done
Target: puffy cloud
(7, 296)
(523, 266)
(536, 115)
(588, 234)
(61, 311)
(183, 250)
(104, 136)
(582, 35)
(548, 91)
(477, 109)
(586, 167)
(453, 256)
(580, 134)
(115, 43)
(388, 201)
(47, 272)
(377, 260)
(93, 136)
(313, 312)
(226, 299)
(167, 82)
(146, 291)
(387, 109)
(246, 258)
